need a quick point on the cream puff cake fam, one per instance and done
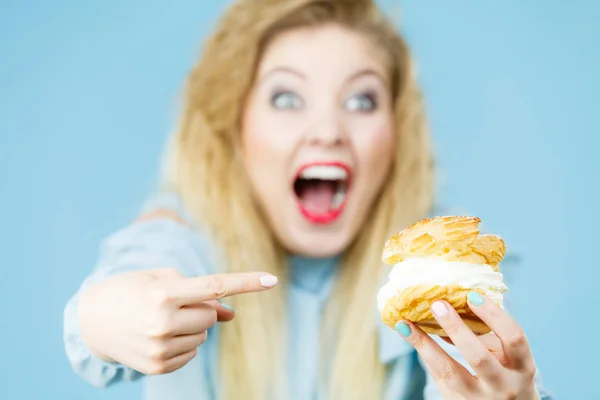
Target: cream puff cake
(441, 258)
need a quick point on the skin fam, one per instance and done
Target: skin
(331, 104)
(503, 362)
(153, 321)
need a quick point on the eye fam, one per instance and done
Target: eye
(361, 103)
(286, 101)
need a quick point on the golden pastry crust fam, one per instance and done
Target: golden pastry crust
(414, 304)
(450, 238)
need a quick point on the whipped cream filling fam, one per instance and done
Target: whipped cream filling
(434, 271)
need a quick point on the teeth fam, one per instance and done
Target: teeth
(325, 172)
(338, 199)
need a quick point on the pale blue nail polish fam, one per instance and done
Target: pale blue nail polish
(475, 299)
(403, 329)
(228, 307)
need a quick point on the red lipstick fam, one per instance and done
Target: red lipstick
(322, 190)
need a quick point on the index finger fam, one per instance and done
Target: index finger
(514, 341)
(211, 287)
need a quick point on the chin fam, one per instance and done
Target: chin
(316, 249)
(314, 244)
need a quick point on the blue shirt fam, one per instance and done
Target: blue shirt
(166, 243)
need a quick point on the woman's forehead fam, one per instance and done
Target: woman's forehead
(320, 50)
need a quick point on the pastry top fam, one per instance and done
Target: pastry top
(451, 238)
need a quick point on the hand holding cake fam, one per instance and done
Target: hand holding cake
(445, 281)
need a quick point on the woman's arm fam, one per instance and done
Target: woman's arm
(159, 239)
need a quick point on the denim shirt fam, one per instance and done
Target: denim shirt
(166, 242)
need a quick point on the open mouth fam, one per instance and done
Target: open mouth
(321, 191)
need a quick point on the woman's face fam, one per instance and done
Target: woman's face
(318, 137)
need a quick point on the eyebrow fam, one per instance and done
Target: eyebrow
(366, 72)
(287, 70)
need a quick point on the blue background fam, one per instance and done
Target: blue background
(88, 92)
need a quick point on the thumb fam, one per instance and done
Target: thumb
(224, 312)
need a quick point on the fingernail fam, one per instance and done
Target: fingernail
(228, 307)
(475, 299)
(403, 329)
(439, 309)
(268, 280)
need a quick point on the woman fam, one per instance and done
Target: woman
(302, 146)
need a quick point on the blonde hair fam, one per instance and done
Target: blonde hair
(206, 168)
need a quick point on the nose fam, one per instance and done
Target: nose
(327, 130)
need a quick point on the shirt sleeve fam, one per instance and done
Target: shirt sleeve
(160, 238)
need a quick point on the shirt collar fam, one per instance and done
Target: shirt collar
(314, 275)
